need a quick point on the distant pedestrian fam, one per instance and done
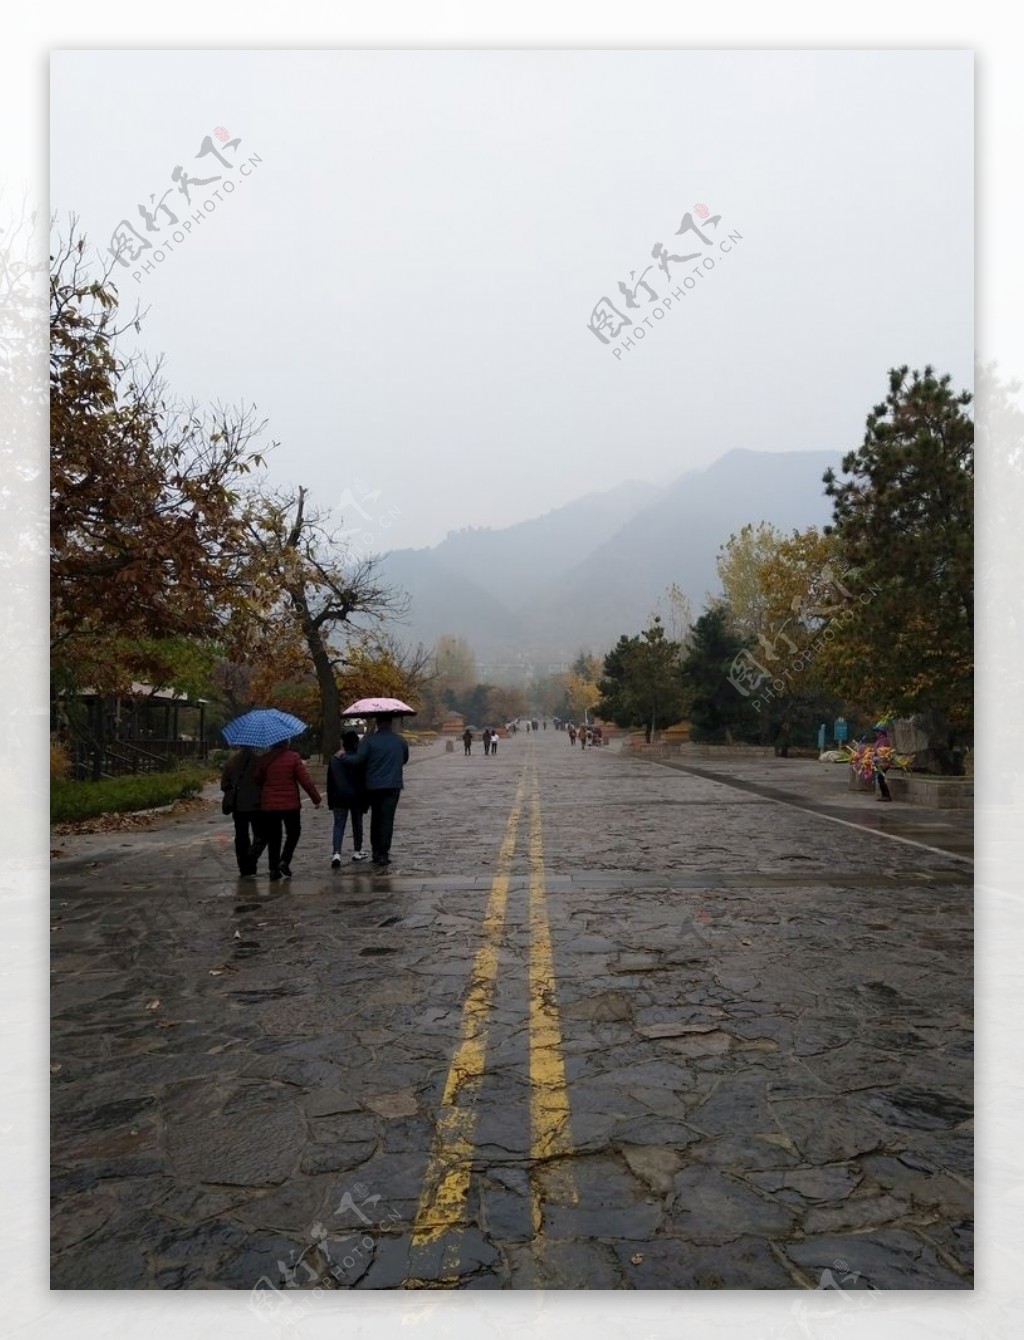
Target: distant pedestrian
(467, 742)
(280, 773)
(572, 735)
(487, 739)
(242, 801)
(383, 754)
(494, 740)
(346, 797)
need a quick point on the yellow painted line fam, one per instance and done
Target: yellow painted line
(551, 1135)
(446, 1181)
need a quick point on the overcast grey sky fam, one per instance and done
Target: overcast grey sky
(403, 282)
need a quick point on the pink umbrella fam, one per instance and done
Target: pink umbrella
(379, 707)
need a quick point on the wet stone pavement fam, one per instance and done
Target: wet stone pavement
(602, 1024)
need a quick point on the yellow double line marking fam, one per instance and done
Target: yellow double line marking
(442, 1204)
(549, 1097)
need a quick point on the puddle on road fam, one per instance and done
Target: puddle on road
(256, 995)
(248, 949)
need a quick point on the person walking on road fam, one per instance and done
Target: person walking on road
(494, 740)
(487, 740)
(242, 794)
(279, 774)
(346, 795)
(383, 754)
(572, 735)
(467, 741)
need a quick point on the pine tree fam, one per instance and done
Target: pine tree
(642, 683)
(904, 521)
(718, 712)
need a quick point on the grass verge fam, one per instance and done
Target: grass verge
(70, 801)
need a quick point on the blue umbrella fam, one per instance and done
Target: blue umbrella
(262, 727)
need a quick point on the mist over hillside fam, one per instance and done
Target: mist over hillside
(528, 597)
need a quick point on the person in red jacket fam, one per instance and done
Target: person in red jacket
(279, 774)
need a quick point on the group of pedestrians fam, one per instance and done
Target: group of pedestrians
(490, 739)
(262, 792)
(583, 735)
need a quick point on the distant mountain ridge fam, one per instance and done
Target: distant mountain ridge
(533, 594)
(515, 564)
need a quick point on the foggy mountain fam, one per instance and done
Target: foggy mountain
(533, 594)
(515, 564)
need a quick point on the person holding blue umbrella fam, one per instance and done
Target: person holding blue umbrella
(250, 733)
(279, 774)
(242, 802)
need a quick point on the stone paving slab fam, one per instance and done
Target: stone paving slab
(765, 1032)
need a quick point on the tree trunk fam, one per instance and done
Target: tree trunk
(330, 703)
(99, 739)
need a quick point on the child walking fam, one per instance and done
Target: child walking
(346, 795)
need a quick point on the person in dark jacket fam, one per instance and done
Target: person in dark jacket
(346, 795)
(279, 774)
(467, 741)
(238, 778)
(383, 754)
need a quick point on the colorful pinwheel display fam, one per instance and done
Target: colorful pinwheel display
(866, 758)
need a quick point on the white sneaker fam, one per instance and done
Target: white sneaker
(336, 861)
(359, 856)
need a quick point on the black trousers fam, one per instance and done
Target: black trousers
(249, 840)
(272, 823)
(383, 803)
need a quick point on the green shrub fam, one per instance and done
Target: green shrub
(70, 801)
